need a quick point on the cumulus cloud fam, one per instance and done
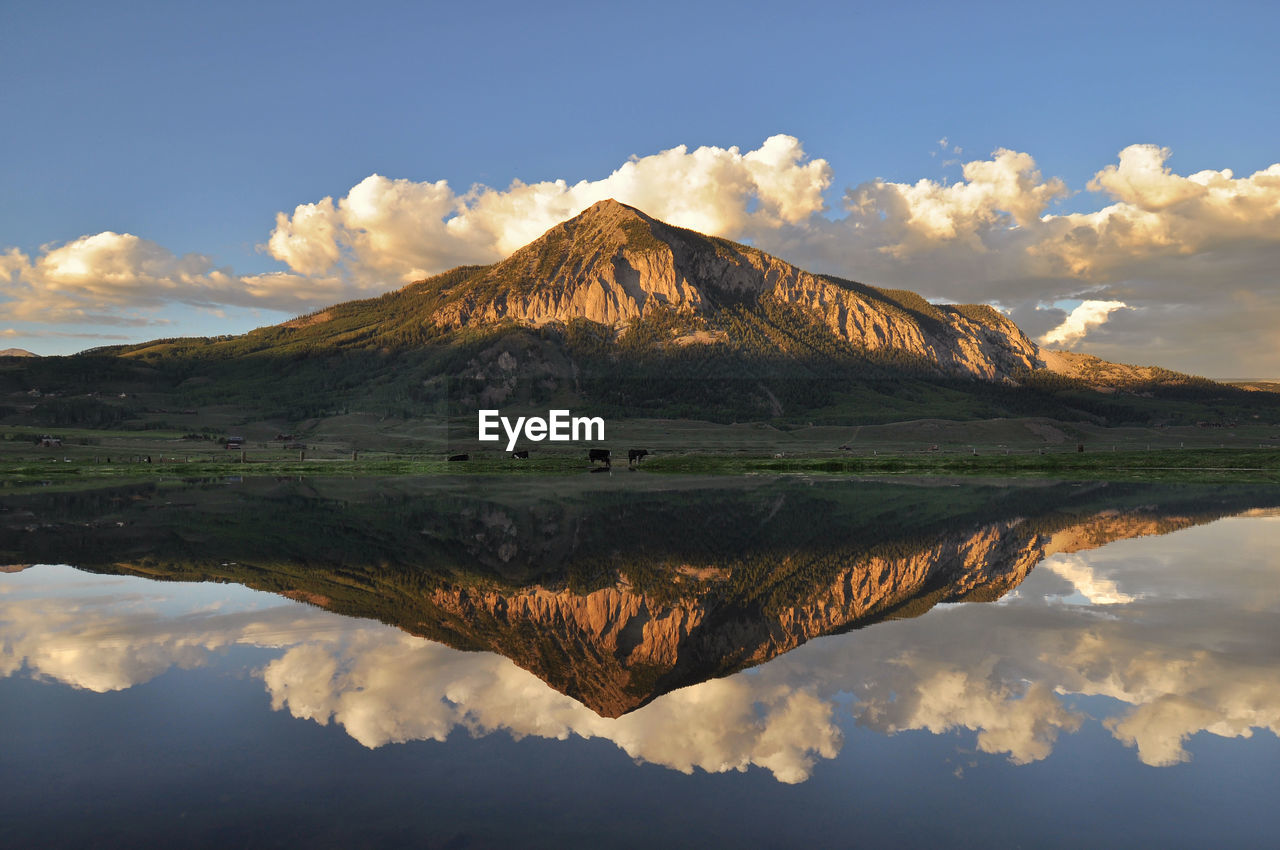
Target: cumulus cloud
(384, 688)
(899, 219)
(1097, 589)
(1195, 652)
(381, 685)
(1002, 205)
(1161, 214)
(387, 232)
(1089, 314)
(109, 634)
(120, 279)
(920, 693)
(1191, 256)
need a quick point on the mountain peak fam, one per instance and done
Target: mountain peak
(613, 264)
(603, 225)
(610, 206)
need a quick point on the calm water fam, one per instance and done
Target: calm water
(626, 660)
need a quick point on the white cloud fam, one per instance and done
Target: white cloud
(109, 634)
(381, 685)
(388, 232)
(120, 279)
(899, 220)
(1088, 315)
(1159, 214)
(384, 688)
(1097, 589)
(917, 693)
(1195, 652)
(1192, 256)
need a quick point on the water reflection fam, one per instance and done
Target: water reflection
(633, 605)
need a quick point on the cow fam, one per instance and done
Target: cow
(459, 457)
(599, 454)
(636, 455)
(521, 455)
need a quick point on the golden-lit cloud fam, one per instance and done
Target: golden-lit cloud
(386, 688)
(113, 633)
(1161, 214)
(1096, 589)
(1192, 257)
(383, 686)
(899, 219)
(121, 279)
(919, 693)
(386, 232)
(1087, 315)
(1174, 649)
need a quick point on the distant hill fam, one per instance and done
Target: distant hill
(1257, 386)
(17, 352)
(618, 312)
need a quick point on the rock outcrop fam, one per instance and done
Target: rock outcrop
(616, 649)
(613, 264)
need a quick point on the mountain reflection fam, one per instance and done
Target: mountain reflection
(616, 596)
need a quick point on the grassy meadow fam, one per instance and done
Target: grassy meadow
(364, 444)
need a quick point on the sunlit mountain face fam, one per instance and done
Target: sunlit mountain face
(618, 312)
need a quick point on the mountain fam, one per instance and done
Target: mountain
(635, 278)
(613, 265)
(17, 352)
(617, 268)
(618, 312)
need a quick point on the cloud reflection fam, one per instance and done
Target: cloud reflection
(1178, 633)
(383, 687)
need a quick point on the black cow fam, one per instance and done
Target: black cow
(599, 454)
(459, 457)
(636, 455)
(521, 455)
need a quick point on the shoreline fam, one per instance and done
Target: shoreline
(1214, 465)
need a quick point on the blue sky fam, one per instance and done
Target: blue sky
(190, 126)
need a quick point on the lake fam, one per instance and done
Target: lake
(625, 660)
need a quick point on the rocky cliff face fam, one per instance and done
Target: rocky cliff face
(613, 263)
(615, 649)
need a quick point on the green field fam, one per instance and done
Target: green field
(365, 444)
(1237, 465)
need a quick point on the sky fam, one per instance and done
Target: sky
(1106, 173)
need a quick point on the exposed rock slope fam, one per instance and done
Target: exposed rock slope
(613, 263)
